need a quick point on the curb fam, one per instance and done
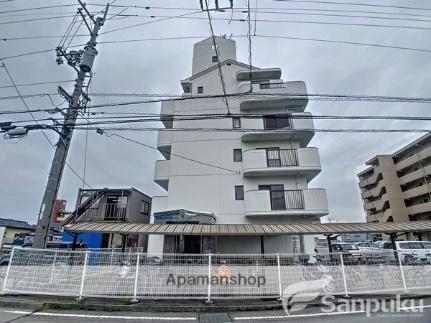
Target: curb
(196, 306)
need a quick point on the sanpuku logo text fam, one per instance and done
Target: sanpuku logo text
(298, 296)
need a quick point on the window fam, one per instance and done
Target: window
(236, 122)
(237, 155)
(276, 122)
(214, 59)
(273, 157)
(239, 192)
(200, 89)
(187, 88)
(145, 209)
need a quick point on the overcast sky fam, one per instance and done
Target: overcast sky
(158, 66)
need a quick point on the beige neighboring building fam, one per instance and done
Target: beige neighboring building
(396, 188)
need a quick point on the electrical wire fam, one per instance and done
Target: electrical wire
(109, 134)
(309, 96)
(355, 4)
(29, 111)
(114, 118)
(250, 61)
(217, 54)
(282, 130)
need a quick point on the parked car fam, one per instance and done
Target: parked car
(411, 252)
(349, 250)
(367, 246)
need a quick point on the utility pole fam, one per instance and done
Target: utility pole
(82, 61)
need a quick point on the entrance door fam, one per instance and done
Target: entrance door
(276, 192)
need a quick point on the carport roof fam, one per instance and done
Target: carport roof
(249, 229)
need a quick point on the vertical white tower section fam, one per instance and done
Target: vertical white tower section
(257, 176)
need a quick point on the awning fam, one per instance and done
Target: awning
(250, 229)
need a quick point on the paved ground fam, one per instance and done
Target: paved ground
(308, 315)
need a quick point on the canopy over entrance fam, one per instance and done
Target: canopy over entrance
(250, 229)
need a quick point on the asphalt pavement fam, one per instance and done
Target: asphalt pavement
(419, 313)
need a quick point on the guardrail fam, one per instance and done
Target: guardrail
(211, 276)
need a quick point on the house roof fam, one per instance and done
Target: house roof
(11, 223)
(214, 67)
(251, 229)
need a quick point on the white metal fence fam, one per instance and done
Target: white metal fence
(210, 276)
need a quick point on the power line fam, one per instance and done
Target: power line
(237, 36)
(150, 22)
(345, 42)
(282, 130)
(38, 8)
(356, 4)
(333, 23)
(223, 85)
(32, 115)
(37, 83)
(89, 124)
(114, 118)
(176, 155)
(35, 19)
(343, 16)
(309, 96)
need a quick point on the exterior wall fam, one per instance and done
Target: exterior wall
(202, 188)
(9, 234)
(203, 50)
(404, 178)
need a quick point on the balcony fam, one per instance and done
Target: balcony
(371, 179)
(420, 173)
(279, 162)
(292, 202)
(164, 143)
(293, 96)
(419, 208)
(99, 212)
(425, 153)
(167, 111)
(417, 191)
(259, 74)
(276, 128)
(161, 173)
(378, 205)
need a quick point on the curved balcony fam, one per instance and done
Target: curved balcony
(279, 162)
(167, 110)
(164, 143)
(161, 173)
(259, 74)
(293, 96)
(296, 129)
(294, 203)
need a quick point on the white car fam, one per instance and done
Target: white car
(411, 251)
(367, 246)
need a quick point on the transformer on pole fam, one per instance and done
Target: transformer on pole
(82, 61)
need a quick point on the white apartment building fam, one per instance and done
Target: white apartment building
(255, 172)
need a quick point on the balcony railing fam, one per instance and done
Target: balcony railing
(265, 86)
(105, 212)
(267, 202)
(287, 200)
(281, 157)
